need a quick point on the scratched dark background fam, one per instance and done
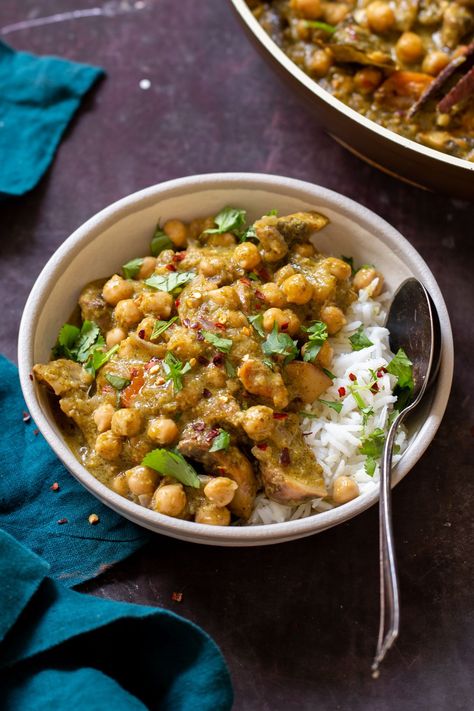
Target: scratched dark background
(296, 622)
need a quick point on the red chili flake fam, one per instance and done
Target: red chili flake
(55, 486)
(280, 415)
(107, 389)
(170, 267)
(177, 302)
(221, 470)
(341, 391)
(375, 388)
(212, 434)
(259, 295)
(179, 256)
(62, 520)
(202, 360)
(380, 372)
(36, 432)
(284, 326)
(199, 336)
(246, 281)
(285, 458)
(30, 375)
(141, 333)
(186, 322)
(263, 446)
(26, 416)
(177, 596)
(218, 359)
(222, 326)
(198, 426)
(195, 326)
(133, 372)
(352, 377)
(206, 393)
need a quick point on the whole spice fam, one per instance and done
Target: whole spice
(55, 486)
(93, 519)
(26, 416)
(62, 520)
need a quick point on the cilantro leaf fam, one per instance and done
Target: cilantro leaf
(402, 368)
(84, 345)
(170, 282)
(222, 441)
(229, 368)
(131, 268)
(359, 340)
(317, 334)
(160, 327)
(257, 323)
(116, 381)
(160, 241)
(324, 26)
(369, 466)
(230, 219)
(272, 213)
(98, 358)
(249, 235)
(334, 405)
(67, 338)
(88, 337)
(172, 464)
(174, 370)
(280, 344)
(222, 344)
(328, 373)
(372, 445)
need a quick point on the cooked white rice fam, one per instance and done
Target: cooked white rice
(336, 437)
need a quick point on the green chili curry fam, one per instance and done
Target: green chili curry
(406, 64)
(183, 380)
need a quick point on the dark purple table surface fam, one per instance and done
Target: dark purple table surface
(297, 622)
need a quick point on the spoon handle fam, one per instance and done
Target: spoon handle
(389, 596)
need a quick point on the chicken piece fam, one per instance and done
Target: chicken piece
(305, 381)
(457, 22)
(258, 379)
(300, 225)
(290, 473)
(352, 43)
(272, 244)
(94, 307)
(63, 376)
(195, 443)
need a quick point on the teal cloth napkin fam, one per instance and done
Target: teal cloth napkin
(63, 650)
(38, 98)
(30, 510)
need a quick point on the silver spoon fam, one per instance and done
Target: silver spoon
(413, 325)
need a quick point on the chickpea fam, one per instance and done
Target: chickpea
(272, 294)
(247, 255)
(344, 490)
(210, 266)
(114, 336)
(225, 296)
(281, 318)
(220, 491)
(120, 484)
(158, 303)
(283, 274)
(116, 289)
(162, 430)
(324, 357)
(334, 318)
(409, 48)
(297, 289)
(364, 278)
(213, 515)
(380, 17)
(147, 268)
(258, 422)
(338, 268)
(177, 232)
(335, 12)
(169, 500)
(304, 250)
(126, 422)
(103, 417)
(127, 313)
(145, 328)
(324, 288)
(226, 239)
(108, 445)
(141, 480)
(309, 9)
(320, 62)
(435, 62)
(366, 80)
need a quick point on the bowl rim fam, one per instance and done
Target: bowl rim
(110, 215)
(264, 38)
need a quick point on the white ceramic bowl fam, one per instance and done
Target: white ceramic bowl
(123, 231)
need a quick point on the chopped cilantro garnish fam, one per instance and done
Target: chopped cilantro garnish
(402, 368)
(317, 334)
(329, 374)
(222, 344)
(249, 235)
(350, 262)
(257, 323)
(84, 345)
(324, 26)
(161, 326)
(170, 282)
(172, 464)
(337, 406)
(360, 340)
(272, 213)
(229, 368)
(160, 241)
(174, 370)
(230, 219)
(280, 344)
(222, 441)
(369, 466)
(67, 338)
(89, 337)
(116, 381)
(98, 358)
(131, 269)
(372, 447)
(365, 409)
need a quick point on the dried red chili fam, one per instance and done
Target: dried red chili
(263, 446)
(170, 267)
